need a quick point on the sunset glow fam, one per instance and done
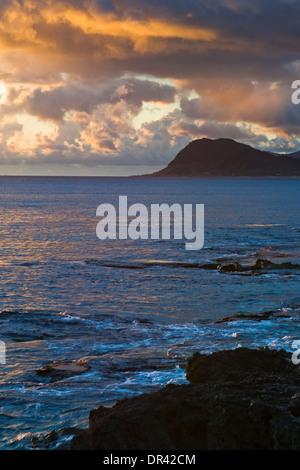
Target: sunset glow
(121, 84)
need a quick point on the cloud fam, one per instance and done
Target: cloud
(55, 102)
(265, 103)
(79, 72)
(213, 130)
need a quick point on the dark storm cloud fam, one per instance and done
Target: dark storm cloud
(54, 103)
(95, 39)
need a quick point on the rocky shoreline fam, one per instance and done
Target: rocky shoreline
(241, 399)
(261, 266)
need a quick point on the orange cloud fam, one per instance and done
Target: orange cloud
(224, 100)
(108, 24)
(21, 27)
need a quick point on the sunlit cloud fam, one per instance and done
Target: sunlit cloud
(119, 83)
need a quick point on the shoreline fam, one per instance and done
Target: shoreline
(241, 399)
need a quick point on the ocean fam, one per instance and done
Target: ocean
(134, 310)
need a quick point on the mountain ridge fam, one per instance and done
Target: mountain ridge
(226, 157)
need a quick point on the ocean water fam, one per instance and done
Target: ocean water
(134, 310)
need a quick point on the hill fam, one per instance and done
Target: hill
(294, 155)
(226, 157)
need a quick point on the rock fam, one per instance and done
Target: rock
(238, 364)
(269, 265)
(260, 265)
(209, 266)
(62, 370)
(143, 264)
(58, 440)
(254, 316)
(232, 267)
(238, 400)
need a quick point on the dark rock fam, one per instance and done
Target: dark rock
(269, 265)
(232, 267)
(209, 266)
(260, 265)
(295, 405)
(242, 399)
(62, 370)
(238, 364)
(254, 316)
(58, 440)
(140, 264)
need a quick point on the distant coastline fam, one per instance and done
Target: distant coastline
(226, 157)
(213, 158)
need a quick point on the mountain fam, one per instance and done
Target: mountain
(294, 155)
(226, 157)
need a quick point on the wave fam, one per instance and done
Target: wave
(264, 225)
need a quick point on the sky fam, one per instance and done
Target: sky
(119, 87)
